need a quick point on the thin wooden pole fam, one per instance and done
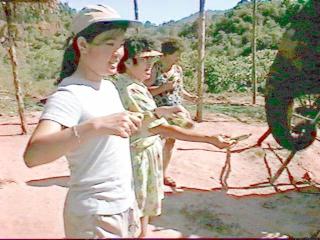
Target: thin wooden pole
(136, 13)
(201, 52)
(283, 166)
(14, 64)
(136, 10)
(254, 49)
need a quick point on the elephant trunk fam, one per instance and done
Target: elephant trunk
(279, 114)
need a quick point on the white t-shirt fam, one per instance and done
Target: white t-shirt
(101, 172)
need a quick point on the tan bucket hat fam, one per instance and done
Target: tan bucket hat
(96, 13)
(152, 53)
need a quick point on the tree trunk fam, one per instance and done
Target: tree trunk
(14, 64)
(254, 48)
(201, 53)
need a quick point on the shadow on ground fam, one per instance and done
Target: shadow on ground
(61, 181)
(216, 214)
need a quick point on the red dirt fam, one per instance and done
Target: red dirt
(31, 200)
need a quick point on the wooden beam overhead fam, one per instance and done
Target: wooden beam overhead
(28, 1)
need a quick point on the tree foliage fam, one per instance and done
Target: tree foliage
(41, 36)
(228, 61)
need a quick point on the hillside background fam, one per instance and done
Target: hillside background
(41, 34)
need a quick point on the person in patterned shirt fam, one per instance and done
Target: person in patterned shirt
(166, 86)
(146, 145)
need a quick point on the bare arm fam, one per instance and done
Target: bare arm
(185, 94)
(188, 96)
(190, 135)
(156, 90)
(167, 87)
(149, 82)
(50, 141)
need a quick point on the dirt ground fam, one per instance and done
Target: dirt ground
(221, 193)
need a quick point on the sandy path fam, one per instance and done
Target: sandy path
(222, 197)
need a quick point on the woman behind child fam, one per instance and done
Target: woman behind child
(146, 146)
(166, 86)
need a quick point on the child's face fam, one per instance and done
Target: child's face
(173, 58)
(142, 70)
(104, 53)
(114, 61)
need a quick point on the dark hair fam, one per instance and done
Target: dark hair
(133, 46)
(172, 45)
(71, 55)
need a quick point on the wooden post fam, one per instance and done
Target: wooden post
(254, 49)
(136, 10)
(136, 13)
(14, 64)
(201, 52)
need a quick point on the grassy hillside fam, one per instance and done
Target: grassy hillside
(38, 33)
(228, 44)
(41, 35)
(40, 38)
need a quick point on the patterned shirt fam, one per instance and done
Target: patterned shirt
(171, 98)
(136, 97)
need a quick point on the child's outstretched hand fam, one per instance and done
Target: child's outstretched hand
(222, 141)
(225, 141)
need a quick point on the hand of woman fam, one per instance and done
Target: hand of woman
(180, 108)
(170, 86)
(168, 110)
(122, 124)
(194, 99)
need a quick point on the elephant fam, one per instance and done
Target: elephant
(295, 73)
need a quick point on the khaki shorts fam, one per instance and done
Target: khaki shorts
(122, 225)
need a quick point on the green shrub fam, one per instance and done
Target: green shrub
(45, 63)
(225, 75)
